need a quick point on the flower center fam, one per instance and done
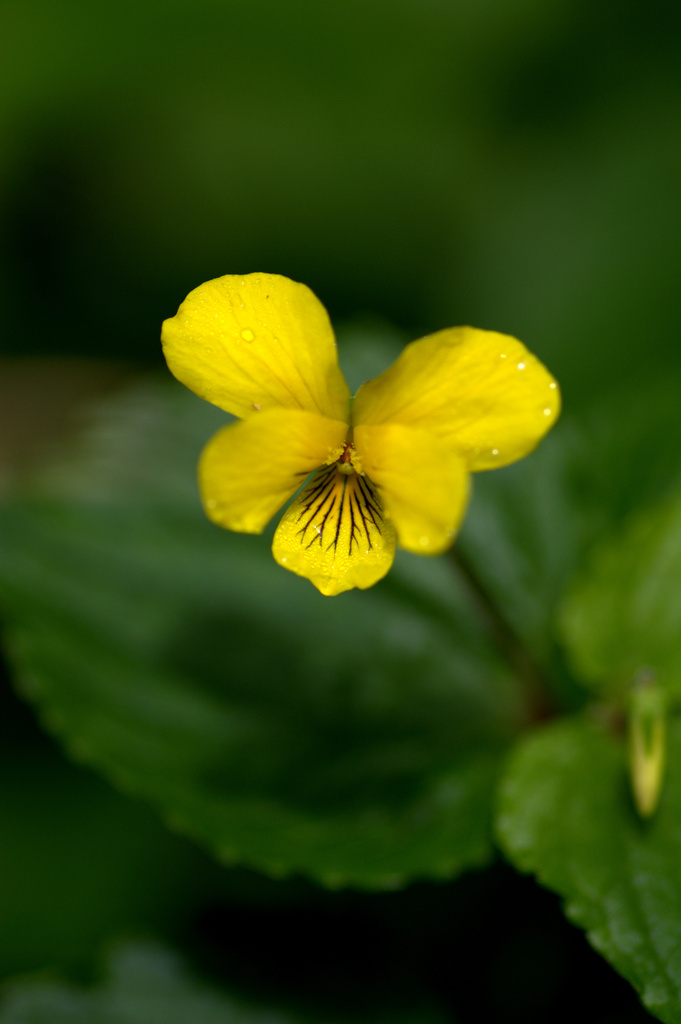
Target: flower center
(348, 449)
(345, 459)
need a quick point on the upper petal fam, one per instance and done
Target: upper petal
(481, 392)
(423, 484)
(255, 342)
(335, 533)
(249, 469)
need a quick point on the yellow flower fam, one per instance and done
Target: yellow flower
(392, 466)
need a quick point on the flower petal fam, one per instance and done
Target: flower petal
(249, 469)
(256, 342)
(480, 391)
(424, 485)
(335, 533)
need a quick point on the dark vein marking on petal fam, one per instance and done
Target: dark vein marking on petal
(372, 503)
(316, 492)
(363, 517)
(339, 521)
(319, 530)
(339, 502)
(315, 512)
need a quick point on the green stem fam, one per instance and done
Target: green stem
(539, 703)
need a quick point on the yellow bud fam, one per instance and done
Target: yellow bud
(647, 741)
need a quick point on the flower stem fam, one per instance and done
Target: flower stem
(538, 697)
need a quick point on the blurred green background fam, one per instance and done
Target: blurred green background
(513, 164)
(509, 163)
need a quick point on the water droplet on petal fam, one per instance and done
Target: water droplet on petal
(502, 355)
(521, 366)
(247, 335)
(553, 384)
(547, 412)
(495, 451)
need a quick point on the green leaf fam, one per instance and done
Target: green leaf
(565, 814)
(356, 739)
(624, 615)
